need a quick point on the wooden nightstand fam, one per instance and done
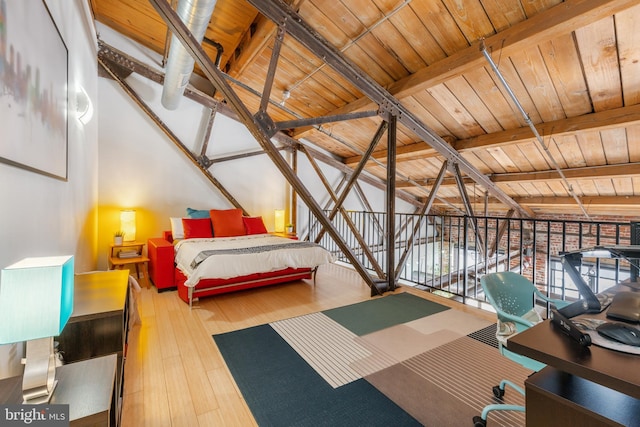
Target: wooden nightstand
(292, 236)
(120, 262)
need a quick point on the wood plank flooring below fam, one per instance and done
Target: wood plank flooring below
(174, 373)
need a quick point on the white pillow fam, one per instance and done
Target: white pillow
(177, 231)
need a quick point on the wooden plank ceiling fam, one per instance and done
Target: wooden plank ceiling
(573, 66)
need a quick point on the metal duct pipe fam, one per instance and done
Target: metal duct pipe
(196, 15)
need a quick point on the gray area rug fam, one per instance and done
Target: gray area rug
(448, 385)
(437, 368)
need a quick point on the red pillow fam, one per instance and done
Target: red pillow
(254, 225)
(197, 227)
(227, 222)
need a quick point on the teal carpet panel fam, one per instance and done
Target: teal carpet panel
(281, 389)
(377, 314)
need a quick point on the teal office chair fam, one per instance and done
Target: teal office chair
(513, 297)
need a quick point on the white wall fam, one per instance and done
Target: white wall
(45, 216)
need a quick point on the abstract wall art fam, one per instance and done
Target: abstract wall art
(33, 89)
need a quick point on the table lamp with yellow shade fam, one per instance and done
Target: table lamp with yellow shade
(128, 224)
(279, 220)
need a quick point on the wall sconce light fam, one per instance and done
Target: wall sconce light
(36, 301)
(128, 224)
(279, 220)
(84, 106)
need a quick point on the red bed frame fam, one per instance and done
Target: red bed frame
(164, 275)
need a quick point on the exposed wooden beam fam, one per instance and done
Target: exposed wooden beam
(593, 172)
(549, 201)
(448, 181)
(588, 201)
(542, 27)
(595, 122)
(588, 172)
(416, 151)
(255, 40)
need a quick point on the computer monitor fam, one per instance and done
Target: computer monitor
(593, 303)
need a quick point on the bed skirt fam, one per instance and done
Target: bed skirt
(209, 287)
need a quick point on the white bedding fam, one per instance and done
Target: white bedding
(225, 266)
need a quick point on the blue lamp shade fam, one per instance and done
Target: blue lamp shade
(36, 298)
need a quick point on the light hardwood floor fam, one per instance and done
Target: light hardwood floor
(174, 373)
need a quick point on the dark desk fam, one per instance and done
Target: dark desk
(613, 369)
(573, 371)
(88, 387)
(99, 293)
(99, 323)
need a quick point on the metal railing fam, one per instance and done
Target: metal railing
(449, 254)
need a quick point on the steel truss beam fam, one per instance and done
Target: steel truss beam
(367, 205)
(455, 169)
(111, 54)
(271, 73)
(280, 13)
(195, 160)
(313, 226)
(294, 195)
(499, 235)
(260, 127)
(331, 161)
(207, 135)
(390, 280)
(424, 209)
(126, 62)
(238, 156)
(356, 173)
(390, 234)
(345, 215)
(291, 124)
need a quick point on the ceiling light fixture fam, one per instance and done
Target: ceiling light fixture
(285, 95)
